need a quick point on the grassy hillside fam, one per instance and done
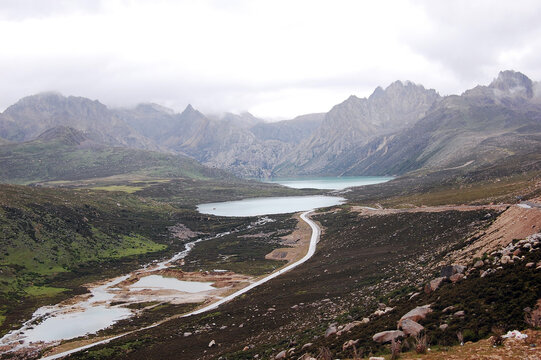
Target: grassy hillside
(67, 154)
(52, 241)
(515, 178)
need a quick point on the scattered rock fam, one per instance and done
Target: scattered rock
(505, 259)
(365, 320)
(306, 346)
(281, 355)
(459, 313)
(456, 278)
(212, 343)
(530, 264)
(349, 344)
(246, 348)
(376, 358)
(448, 308)
(444, 327)
(410, 327)
(478, 264)
(186, 334)
(387, 336)
(306, 357)
(450, 270)
(384, 311)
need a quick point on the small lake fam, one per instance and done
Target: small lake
(269, 206)
(157, 282)
(329, 183)
(72, 325)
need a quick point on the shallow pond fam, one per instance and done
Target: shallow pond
(157, 282)
(79, 323)
(268, 206)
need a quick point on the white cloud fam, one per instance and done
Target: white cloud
(274, 58)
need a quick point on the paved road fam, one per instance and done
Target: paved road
(316, 231)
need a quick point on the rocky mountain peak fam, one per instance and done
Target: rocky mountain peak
(513, 83)
(189, 109)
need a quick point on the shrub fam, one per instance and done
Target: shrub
(421, 344)
(324, 353)
(396, 347)
(497, 339)
(533, 317)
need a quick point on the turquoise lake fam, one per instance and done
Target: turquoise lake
(329, 183)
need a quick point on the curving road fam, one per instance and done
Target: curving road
(316, 231)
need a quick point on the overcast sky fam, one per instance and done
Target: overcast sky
(274, 58)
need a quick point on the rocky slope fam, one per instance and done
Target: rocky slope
(482, 126)
(241, 143)
(354, 123)
(32, 115)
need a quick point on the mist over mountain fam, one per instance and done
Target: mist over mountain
(32, 115)
(403, 127)
(481, 126)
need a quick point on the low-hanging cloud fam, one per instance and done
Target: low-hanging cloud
(276, 59)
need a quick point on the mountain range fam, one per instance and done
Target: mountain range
(398, 129)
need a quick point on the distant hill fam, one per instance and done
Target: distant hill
(64, 153)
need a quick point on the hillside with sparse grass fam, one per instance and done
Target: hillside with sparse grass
(64, 153)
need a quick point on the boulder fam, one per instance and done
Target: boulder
(459, 313)
(530, 264)
(450, 270)
(387, 336)
(505, 259)
(419, 313)
(306, 346)
(212, 343)
(281, 355)
(376, 358)
(346, 328)
(434, 285)
(456, 278)
(331, 330)
(410, 327)
(186, 334)
(365, 320)
(444, 327)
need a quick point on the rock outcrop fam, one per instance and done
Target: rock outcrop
(387, 336)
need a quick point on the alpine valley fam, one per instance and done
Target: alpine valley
(99, 214)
